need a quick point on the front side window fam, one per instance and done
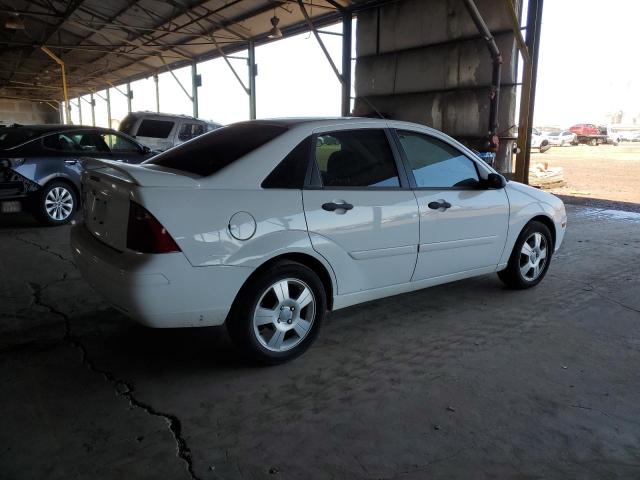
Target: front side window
(189, 131)
(119, 144)
(356, 158)
(436, 164)
(155, 128)
(213, 151)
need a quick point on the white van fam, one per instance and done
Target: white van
(161, 131)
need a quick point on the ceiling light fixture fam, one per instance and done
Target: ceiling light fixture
(275, 32)
(14, 22)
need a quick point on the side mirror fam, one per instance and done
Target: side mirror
(146, 149)
(495, 180)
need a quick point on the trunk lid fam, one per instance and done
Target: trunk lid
(108, 188)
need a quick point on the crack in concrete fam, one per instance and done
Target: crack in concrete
(44, 249)
(122, 387)
(591, 288)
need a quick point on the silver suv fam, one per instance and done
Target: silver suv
(161, 131)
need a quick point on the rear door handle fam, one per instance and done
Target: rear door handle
(332, 207)
(438, 205)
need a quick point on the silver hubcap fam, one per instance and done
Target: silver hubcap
(533, 256)
(59, 203)
(284, 315)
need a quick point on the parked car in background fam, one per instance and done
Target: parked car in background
(41, 165)
(539, 140)
(561, 138)
(589, 133)
(291, 218)
(160, 131)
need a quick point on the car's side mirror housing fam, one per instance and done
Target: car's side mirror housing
(495, 180)
(145, 149)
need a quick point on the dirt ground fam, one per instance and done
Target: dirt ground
(605, 172)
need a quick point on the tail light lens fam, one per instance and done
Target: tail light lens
(145, 234)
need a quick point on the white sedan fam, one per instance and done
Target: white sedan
(562, 138)
(266, 225)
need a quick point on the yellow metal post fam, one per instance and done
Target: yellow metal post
(59, 61)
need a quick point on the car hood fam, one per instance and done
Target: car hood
(536, 194)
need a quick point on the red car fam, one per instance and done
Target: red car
(585, 129)
(589, 133)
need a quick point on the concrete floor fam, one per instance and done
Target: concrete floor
(466, 380)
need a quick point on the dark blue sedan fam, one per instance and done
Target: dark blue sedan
(41, 165)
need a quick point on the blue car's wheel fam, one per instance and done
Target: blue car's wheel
(56, 204)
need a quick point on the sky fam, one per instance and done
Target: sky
(589, 67)
(589, 62)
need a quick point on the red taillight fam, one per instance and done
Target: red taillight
(145, 234)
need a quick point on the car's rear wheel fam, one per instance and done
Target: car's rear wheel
(277, 315)
(56, 203)
(530, 258)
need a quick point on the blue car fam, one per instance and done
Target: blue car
(41, 166)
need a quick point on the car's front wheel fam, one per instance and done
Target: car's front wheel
(277, 315)
(56, 203)
(530, 257)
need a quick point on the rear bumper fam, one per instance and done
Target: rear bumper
(161, 291)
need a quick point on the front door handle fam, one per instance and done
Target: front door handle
(332, 207)
(70, 162)
(438, 205)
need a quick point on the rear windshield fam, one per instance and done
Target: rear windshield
(155, 128)
(12, 137)
(213, 151)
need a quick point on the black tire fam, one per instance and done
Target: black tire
(512, 276)
(593, 142)
(255, 293)
(67, 195)
(544, 146)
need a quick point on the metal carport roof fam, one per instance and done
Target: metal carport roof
(114, 41)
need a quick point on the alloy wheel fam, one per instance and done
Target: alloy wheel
(58, 203)
(533, 256)
(284, 315)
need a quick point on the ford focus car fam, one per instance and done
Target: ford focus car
(267, 225)
(41, 165)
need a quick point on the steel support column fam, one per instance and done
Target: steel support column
(65, 93)
(155, 79)
(496, 57)
(108, 108)
(253, 71)
(129, 97)
(80, 111)
(346, 64)
(195, 83)
(528, 93)
(92, 101)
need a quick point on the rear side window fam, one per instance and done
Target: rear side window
(356, 158)
(291, 171)
(12, 137)
(213, 151)
(155, 128)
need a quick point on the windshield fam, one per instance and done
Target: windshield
(211, 152)
(12, 137)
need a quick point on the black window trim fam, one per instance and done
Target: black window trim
(313, 180)
(409, 170)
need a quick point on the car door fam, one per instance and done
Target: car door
(63, 154)
(361, 214)
(463, 225)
